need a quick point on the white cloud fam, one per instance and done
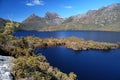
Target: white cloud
(35, 2)
(68, 7)
(29, 4)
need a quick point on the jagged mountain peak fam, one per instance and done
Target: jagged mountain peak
(33, 16)
(51, 15)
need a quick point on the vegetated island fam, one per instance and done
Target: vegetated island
(70, 42)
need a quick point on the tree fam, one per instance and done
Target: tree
(10, 27)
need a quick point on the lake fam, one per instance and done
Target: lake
(101, 36)
(89, 64)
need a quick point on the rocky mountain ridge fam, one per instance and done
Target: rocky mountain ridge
(106, 18)
(102, 16)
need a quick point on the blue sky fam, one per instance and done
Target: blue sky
(18, 10)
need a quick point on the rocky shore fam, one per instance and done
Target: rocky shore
(6, 67)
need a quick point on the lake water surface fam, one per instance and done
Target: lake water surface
(88, 65)
(102, 36)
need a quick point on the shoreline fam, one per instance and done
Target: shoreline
(70, 30)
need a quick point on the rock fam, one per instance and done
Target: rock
(51, 15)
(7, 76)
(5, 68)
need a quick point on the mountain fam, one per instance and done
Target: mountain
(105, 18)
(34, 22)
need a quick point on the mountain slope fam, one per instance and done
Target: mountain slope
(33, 22)
(105, 18)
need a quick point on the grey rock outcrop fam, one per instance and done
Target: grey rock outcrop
(5, 68)
(51, 15)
